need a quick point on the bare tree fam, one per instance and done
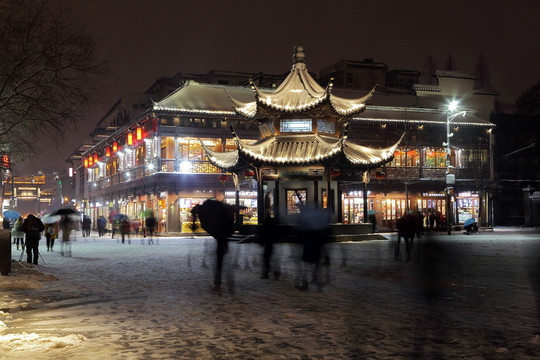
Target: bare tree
(48, 68)
(482, 73)
(430, 66)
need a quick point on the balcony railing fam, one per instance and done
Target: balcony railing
(416, 172)
(164, 165)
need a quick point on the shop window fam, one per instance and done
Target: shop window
(295, 199)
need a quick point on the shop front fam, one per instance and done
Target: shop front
(353, 206)
(466, 206)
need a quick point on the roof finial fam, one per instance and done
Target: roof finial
(299, 55)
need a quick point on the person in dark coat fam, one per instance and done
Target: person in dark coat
(101, 223)
(86, 225)
(406, 226)
(124, 230)
(150, 225)
(32, 227)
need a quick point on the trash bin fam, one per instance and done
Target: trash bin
(5, 251)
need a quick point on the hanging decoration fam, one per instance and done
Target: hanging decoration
(223, 178)
(96, 158)
(130, 138)
(380, 175)
(108, 151)
(115, 146)
(248, 173)
(90, 161)
(335, 172)
(86, 162)
(139, 133)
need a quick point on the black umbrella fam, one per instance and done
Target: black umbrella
(216, 218)
(65, 211)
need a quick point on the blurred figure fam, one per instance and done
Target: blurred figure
(124, 230)
(115, 228)
(269, 234)
(66, 225)
(313, 230)
(32, 227)
(17, 234)
(136, 225)
(51, 233)
(86, 225)
(101, 223)
(373, 221)
(217, 219)
(150, 225)
(419, 220)
(406, 226)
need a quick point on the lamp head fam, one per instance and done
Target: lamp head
(453, 105)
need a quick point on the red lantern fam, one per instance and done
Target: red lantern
(115, 146)
(380, 175)
(248, 173)
(85, 163)
(223, 178)
(108, 151)
(90, 161)
(139, 133)
(154, 124)
(130, 138)
(96, 159)
(335, 172)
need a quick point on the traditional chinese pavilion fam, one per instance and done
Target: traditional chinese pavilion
(303, 147)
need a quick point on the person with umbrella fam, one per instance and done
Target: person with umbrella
(470, 226)
(32, 227)
(66, 224)
(217, 219)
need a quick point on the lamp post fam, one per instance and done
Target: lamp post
(450, 177)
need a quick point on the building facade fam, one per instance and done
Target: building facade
(157, 161)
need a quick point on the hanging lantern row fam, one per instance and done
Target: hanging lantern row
(93, 159)
(248, 173)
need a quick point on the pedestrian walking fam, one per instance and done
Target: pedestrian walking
(67, 225)
(102, 222)
(150, 225)
(217, 219)
(17, 234)
(32, 227)
(86, 225)
(51, 233)
(268, 236)
(124, 230)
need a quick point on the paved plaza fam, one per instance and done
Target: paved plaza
(459, 297)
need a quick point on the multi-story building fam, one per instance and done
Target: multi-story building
(156, 160)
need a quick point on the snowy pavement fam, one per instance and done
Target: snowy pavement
(461, 297)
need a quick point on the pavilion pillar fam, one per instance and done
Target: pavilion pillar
(365, 179)
(237, 200)
(260, 195)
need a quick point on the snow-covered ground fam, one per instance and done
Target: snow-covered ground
(460, 297)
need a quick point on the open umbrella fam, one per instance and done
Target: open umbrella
(11, 215)
(372, 212)
(469, 221)
(120, 217)
(64, 211)
(50, 219)
(216, 218)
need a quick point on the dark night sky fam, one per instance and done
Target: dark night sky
(159, 38)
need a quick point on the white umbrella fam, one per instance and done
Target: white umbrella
(50, 219)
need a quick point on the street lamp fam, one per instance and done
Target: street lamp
(450, 177)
